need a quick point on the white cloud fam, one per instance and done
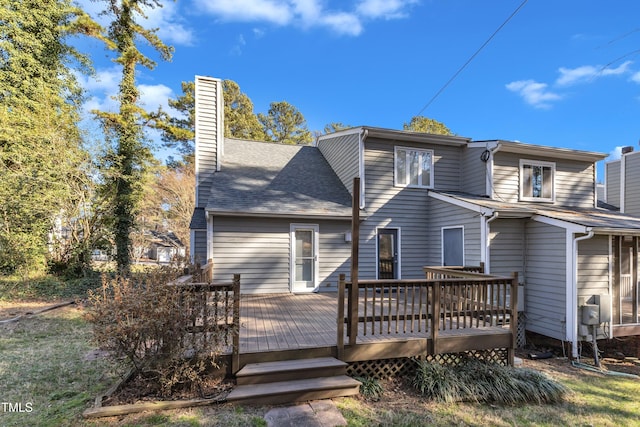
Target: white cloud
(614, 154)
(343, 23)
(307, 13)
(534, 93)
(636, 77)
(240, 43)
(387, 9)
(169, 24)
(588, 73)
(273, 11)
(154, 96)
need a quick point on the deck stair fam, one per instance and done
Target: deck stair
(293, 381)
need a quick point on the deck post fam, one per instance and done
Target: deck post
(513, 321)
(235, 355)
(435, 317)
(355, 246)
(340, 329)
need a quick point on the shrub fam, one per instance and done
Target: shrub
(477, 381)
(439, 382)
(370, 388)
(148, 322)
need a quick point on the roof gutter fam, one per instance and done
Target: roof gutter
(572, 295)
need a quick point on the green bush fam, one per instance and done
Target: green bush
(148, 322)
(370, 388)
(477, 381)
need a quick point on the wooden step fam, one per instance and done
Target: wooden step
(295, 391)
(268, 372)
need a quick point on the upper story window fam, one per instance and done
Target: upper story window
(413, 167)
(536, 180)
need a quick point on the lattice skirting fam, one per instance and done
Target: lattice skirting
(521, 339)
(404, 367)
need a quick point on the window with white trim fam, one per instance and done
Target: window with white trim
(413, 167)
(537, 181)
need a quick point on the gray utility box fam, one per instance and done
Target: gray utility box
(590, 314)
(604, 302)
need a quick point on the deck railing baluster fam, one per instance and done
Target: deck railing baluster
(366, 294)
(397, 307)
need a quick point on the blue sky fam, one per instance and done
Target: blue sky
(559, 73)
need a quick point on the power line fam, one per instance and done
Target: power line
(472, 57)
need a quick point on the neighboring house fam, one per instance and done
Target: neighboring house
(162, 247)
(280, 215)
(622, 182)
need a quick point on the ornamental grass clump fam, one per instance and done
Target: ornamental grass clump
(440, 382)
(148, 322)
(477, 381)
(370, 388)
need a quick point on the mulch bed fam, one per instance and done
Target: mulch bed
(140, 389)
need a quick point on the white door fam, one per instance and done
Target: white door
(304, 257)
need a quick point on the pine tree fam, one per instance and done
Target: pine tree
(126, 163)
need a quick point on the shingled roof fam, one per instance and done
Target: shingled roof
(264, 179)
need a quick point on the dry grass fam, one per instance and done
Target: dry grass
(43, 364)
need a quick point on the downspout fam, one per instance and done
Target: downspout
(361, 138)
(623, 181)
(574, 294)
(487, 236)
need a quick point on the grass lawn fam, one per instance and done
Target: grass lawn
(44, 363)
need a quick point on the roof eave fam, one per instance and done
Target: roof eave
(541, 150)
(304, 215)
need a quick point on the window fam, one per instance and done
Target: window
(453, 246)
(414, 168)
(536, 181)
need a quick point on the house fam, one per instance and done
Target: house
(162, 247)
(622, 182)
(280, 215)
(622, 193)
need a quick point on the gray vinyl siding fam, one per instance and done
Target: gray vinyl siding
(343, 155)
(200, 246)
(474, 172)
(575, 184)
(574, 181)
(505, 177)
(334, 253)
(400, 207)
(612, 182)
(443, 214)
(259, 250)
(507, 251)
(593, 266)
(545, 287)
(632, 183)
(207, 127)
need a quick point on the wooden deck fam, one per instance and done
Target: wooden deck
(276, 326)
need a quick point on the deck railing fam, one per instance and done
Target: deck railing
(468, 300)
(213, 309)
(203, 273)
